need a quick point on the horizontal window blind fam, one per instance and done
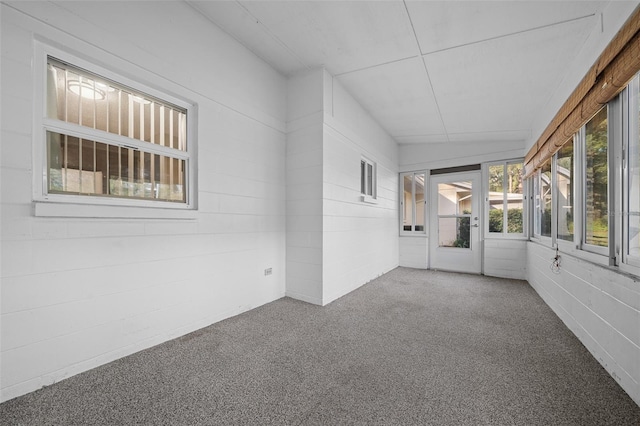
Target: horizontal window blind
(616, 66)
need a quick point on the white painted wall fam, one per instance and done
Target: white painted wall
(414, 252)
(77, 293)
(305, 105)
(335, 241)
(441, 155)
(601, 307)
(360, 240)
(505, 258)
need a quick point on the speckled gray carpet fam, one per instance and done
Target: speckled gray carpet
(412, 347)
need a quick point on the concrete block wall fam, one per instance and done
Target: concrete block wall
(304, 170)
(600, 306)
(77, 293)
(360, 239)
(335, 241)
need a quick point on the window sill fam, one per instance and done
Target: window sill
(566, 250)
(54, 209)
(516, 237)
(368, 199)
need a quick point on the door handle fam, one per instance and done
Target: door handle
(475, 225)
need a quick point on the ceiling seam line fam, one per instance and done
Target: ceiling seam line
(413, 28)
(274, 37)
(424, 65)
(377, 65)
(435, 99)
(510, 34)
(464, 133)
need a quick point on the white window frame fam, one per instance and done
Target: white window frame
(630, 99)
(582, 187)
(537, 207)
(413, 203)
(485, 177)
(370, 192)
(70, 205)
(567, 245)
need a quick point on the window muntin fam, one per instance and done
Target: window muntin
(104, 139)
(565, 192)
(596, 179)
(506, 198)
(413, 202)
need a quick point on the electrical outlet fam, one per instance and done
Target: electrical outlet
(268, 271)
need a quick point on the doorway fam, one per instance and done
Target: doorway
(455, 238)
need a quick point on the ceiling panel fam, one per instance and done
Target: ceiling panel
(399, 96)
(500, 85)
(240, 24)
(492, 66)
(441, 25)
(342, 36)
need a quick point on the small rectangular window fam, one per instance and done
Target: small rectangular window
(367, 179)
(413, 203)
(505, 198)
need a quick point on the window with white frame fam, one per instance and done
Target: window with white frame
(564, 184)
(413, 202)
(108, 142)
(505, 199)
(575, 195)
(543, 201)
(595, 143)
(367, 179)
(631, 241)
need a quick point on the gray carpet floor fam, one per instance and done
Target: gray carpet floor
(411, 347)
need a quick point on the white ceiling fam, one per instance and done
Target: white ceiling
(427, 71)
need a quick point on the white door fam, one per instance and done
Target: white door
(454, 222)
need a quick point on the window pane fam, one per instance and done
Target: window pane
(454, 232)
(85, 167)
(515, 174)
(419, 186)
(537, 207)
(545, 199)
(454, 198)
(80, 97)
(596, 179)
(407, 210)
(634, 178)
(370, 179)
(496, 198)
(564, 179)
(363, 177)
